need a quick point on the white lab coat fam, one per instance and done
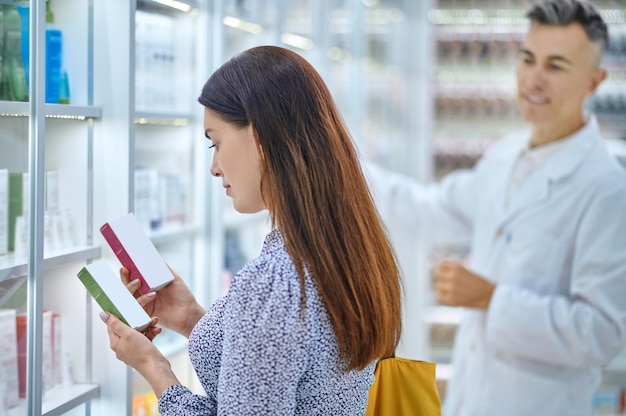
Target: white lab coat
(557, 253)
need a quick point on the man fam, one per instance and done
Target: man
(544, 291)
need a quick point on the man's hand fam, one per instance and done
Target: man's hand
(457, 286)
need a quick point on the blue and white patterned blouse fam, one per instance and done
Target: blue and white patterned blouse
(255, 354)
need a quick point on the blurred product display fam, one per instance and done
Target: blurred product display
(425, 88)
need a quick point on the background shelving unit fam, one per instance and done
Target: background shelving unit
(94, 150)
(38, 138)
(425, 88)
(169, 58)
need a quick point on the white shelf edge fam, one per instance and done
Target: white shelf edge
(13, 268)
(21, 109)
(163, 118)
(60, 400)
(72, 397)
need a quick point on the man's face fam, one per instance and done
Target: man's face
(557, 70)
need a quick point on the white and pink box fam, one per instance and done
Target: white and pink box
(137, 253)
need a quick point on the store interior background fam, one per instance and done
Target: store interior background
(424, 88)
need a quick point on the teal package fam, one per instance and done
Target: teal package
(54, 54)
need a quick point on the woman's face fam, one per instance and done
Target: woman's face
(236, 159)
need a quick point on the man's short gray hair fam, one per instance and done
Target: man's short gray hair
(565, 12)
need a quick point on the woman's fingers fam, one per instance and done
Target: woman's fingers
(152, 331)
(125, 275)
(133, 286)
(146, 299)
(115, 328)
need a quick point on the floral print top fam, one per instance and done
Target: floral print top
(257, 352)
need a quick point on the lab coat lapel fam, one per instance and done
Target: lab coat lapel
(501, 182)
(539, 185)
(532, 192)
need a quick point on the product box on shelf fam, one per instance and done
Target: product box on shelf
(14, 84)
(111, 294)
(147, 210)
(57, 352)
(54, 52)
(4, 211)
(21, 323)
(155, 57)
(137, 253)
(159, 199)
(8, 357)
(18, 204)
(48, 366)
(52, 191)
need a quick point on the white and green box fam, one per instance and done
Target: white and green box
(113, 297)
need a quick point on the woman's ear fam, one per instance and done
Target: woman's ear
(258, 143)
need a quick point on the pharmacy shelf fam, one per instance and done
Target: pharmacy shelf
(167, 7)
(164, 119)
(21, 109)
(170, 234)
(12, 267)
(60, 400)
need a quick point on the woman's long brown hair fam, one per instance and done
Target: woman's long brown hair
(315, 191)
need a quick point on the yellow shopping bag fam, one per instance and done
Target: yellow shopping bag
(403, 387)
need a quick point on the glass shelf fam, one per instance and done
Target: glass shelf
(12, 267)
(168, 6)
(498, 17)
(71, 112)
(165, 119)
(60, 400)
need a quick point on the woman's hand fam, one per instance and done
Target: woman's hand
(152, 330)
(174, 304)
(137, 350)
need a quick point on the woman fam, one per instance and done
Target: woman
(303, 324)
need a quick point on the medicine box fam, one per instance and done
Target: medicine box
(137, 253)
(113, 297)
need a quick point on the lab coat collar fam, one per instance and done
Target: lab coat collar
(577, 147)
(537, 186)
